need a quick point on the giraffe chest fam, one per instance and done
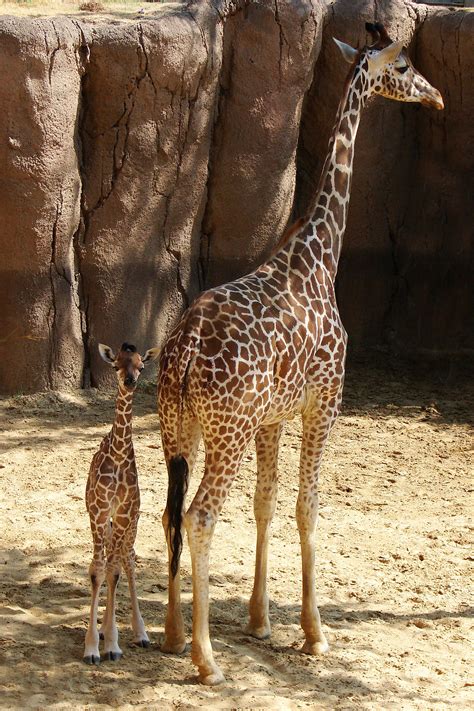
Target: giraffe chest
(112, 481)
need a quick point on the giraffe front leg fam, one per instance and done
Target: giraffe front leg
(112, 650)
(97, 574)
(267, 441)
(316, 428)
(108, 540)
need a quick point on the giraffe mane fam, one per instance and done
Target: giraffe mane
(291, 230)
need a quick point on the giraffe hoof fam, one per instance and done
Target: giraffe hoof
(315, 648)
(217, 677)
(173, 648)
(262, 632)
(111, 656)
(91, 659)
(142, 643)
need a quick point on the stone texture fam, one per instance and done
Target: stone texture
(148, 106)
(268, 59)
(39, 208)
(432, 306)
(145, 160)
(403, 278)
(384, 152)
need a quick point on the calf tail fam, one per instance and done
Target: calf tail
(178, 478)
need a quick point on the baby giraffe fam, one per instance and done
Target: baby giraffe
(113, 504)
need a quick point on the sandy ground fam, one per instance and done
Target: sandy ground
(106, 10)
(393, 558)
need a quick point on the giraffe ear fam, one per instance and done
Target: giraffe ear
(348, 52)
(388, 54)
(106, 353)
(151, 354)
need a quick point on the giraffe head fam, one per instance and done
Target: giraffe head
(389, 69)
(128, 362)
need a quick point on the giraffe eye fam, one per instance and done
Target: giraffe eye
(402, 70)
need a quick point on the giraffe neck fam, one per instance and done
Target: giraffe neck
(121, 434)
(330, 207)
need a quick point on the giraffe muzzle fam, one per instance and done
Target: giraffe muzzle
(434, 100)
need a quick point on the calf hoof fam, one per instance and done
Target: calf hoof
(315, 648)
(111, 656)
(91, 659)
(142, 643)
(217, 677)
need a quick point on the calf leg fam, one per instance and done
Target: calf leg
(97, 575)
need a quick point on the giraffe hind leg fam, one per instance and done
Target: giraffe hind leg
(175, 635)
(223, 460)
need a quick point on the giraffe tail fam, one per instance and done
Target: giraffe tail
(178, 478)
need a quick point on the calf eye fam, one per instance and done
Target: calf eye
(402, 70)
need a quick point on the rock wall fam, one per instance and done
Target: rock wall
(143, 161)
(405, 275)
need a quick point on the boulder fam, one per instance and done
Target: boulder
(145, 160)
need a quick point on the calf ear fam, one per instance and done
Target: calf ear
(106, 353)
(151, 354)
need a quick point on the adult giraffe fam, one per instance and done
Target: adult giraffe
(252, 353)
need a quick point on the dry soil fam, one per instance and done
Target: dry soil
(394, 560)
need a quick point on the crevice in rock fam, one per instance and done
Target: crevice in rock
(82, 60)
(53, 269)
(53, 53)
(283, 40)
(223, 90)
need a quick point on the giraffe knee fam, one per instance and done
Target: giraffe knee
(199, 522)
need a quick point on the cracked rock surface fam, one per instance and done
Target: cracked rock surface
(146, 160)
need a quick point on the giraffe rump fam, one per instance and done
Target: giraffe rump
(178, 478)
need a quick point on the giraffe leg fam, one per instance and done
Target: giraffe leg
(175, 637)
(108, 540)
(267, 441)
(97, 575)
(112, 650)
(221, 467)
(316, 428)
(140, 637)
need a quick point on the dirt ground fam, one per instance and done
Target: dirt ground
(394, 559)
